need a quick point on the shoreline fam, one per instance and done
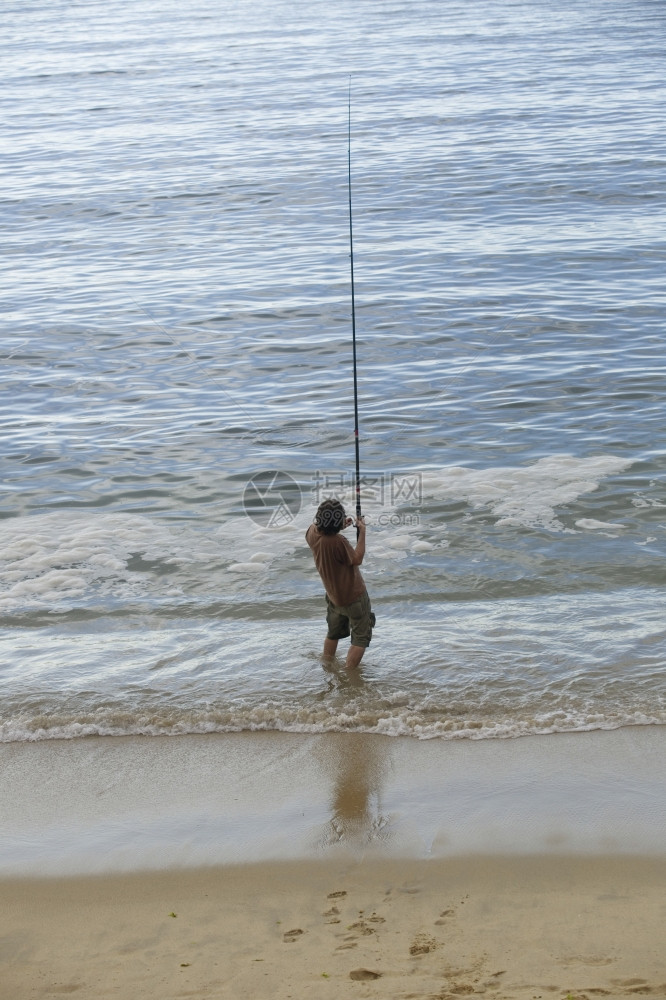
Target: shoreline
(254, 866)
(116, 804)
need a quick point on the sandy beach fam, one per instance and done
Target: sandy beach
(520, 927)
(290, 866)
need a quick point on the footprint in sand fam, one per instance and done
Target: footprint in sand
(587, 960)
(640, 987)
(346, 945)
(361, 926)
(443, 917)
(290, 936)
(494, 982)
(364, 974)
(337, 895)
(422, 944)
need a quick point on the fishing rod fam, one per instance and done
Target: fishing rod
(351, 263)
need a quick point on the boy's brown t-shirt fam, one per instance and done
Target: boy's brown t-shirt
(332, 555)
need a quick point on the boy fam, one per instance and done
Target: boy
(347, 602)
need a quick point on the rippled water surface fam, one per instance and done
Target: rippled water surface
(176, 321)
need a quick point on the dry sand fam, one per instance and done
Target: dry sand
(295, 866)
(528, 928)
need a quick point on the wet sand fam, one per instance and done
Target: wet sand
(101, 805)
(276, 865)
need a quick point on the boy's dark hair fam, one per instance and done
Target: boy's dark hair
(330, 517)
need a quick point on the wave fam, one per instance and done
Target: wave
(66, 559)
(405, 722)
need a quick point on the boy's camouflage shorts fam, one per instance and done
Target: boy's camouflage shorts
(356, 618)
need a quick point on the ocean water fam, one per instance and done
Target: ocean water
(177, 380)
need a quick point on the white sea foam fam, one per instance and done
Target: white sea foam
(520, 496)
(54, 560)
(525, 496)
(59, 558)
(408, 721)
(592, 524)
(47, 560)
(423, 546)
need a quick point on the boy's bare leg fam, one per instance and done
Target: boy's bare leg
(330, 646)
(354, 656)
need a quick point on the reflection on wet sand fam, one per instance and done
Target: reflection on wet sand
(357, 766)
